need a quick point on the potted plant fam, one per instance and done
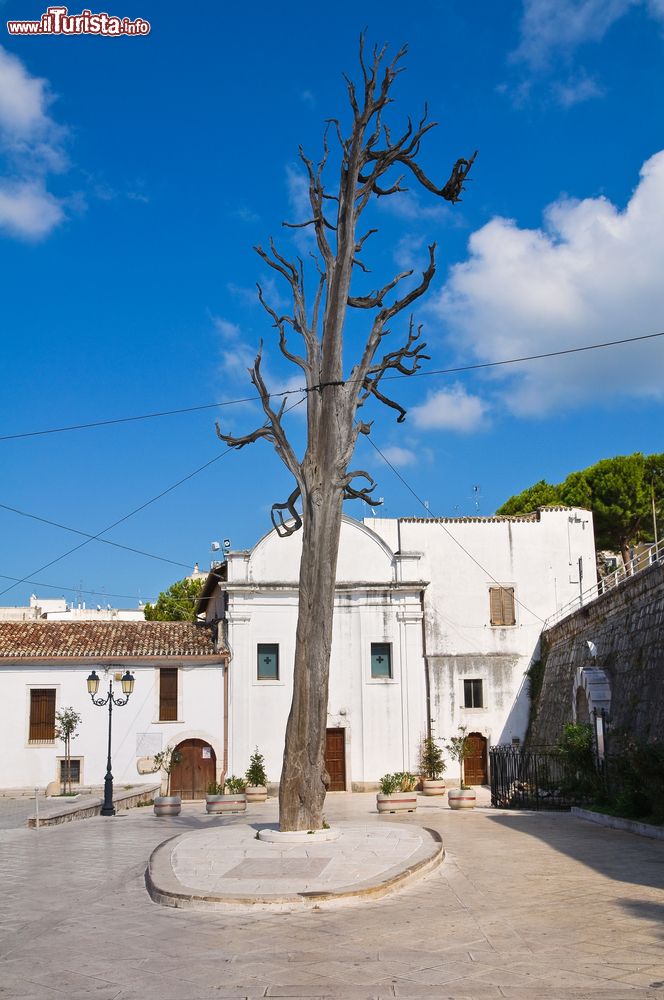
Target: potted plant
(256, 790)
(432, 767)
(165, 760)
(228, 797)
(462, 797)
(397, 793)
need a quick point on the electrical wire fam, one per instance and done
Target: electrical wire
(447, 532)
(304, 389)
(121, 520)
(85, 534)
(136, 510)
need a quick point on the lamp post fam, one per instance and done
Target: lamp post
(127, 681)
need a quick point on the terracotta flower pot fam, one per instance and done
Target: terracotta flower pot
(167, 805)
(433, 786)
(461, 798)
(235, 802)
(396, 802)
(256, 793)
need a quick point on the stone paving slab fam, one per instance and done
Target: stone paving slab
(572, 910)
(229, 866)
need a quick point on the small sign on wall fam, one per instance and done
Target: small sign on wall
(148, 744)
(206, 753)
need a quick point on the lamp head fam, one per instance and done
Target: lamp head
(93, 683)
(127, 683)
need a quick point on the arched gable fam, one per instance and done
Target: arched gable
(363, 555)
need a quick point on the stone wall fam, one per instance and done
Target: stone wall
(627, 627)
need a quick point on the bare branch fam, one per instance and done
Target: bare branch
(278, 520)
(351, 493)
(376, 298)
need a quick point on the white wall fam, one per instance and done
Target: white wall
(383, 718)
(200, 715)
(463, 559)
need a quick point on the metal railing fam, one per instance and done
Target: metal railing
(654, 553)
(539, 778)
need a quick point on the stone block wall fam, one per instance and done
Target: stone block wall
(627, 627)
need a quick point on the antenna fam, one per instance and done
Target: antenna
(476, 497)
(214, 546)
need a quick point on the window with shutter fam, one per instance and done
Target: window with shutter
(42, 715)
(267, 661)
(168, 694)
(501, 605)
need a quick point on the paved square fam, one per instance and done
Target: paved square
(525, 906)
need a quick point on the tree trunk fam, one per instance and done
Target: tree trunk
(304, 778)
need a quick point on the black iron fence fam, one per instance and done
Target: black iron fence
(535, 778)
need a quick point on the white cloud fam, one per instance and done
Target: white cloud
(450, 409)
(576, 89)
(32, 145)
(309, 98)
(550, 27)
(28, 210)
(591, 274)
(400, 456)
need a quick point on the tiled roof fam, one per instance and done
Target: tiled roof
(37, 640)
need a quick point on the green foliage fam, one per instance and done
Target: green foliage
(389, 784)
(618, 490)
(432, 763)
(636, 780)
(256, 773)
(177, 604)
(214, 788)
(67, 722)
(458, 748)
(407, 782)
(542, 494)
(234, 785)
(165, 761)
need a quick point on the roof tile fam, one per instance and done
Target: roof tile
(29, 640)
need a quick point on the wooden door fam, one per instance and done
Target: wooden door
(475, 763)
(335, 759)
(197, 769)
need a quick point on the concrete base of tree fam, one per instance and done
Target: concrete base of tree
(272, 836)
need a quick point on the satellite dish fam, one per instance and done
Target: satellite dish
(227, 543)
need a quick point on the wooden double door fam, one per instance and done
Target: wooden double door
(475, 769)
(335, 759)
(197, 769)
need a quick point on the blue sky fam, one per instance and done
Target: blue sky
(136, 174)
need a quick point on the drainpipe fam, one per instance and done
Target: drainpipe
(427, 679)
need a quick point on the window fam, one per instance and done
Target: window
(74, 771)
(501, 605)
(472, 694)
(268, 661)
(168, 694)
(381, 659)
(42, 715)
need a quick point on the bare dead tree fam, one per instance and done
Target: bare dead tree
(369, 153)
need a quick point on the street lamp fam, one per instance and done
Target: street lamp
(127, 682)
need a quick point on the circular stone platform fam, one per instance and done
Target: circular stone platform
(229, 866)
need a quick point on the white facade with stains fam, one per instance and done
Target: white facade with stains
(438, 616)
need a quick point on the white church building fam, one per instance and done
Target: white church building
(434, 618)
